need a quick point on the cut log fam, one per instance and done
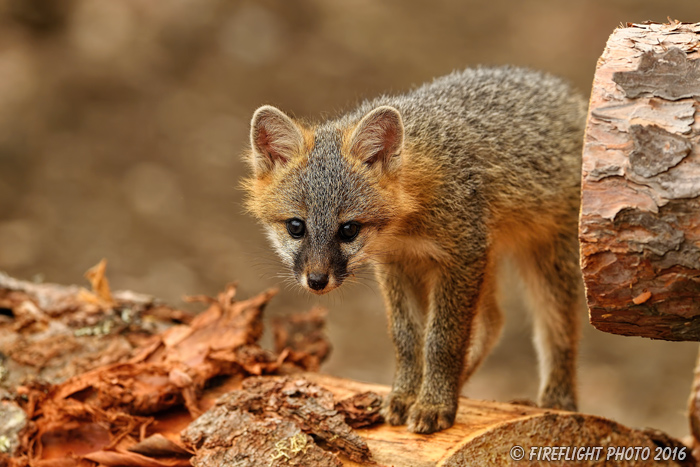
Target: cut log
(283, 421)
(494, 433)
(640, 213)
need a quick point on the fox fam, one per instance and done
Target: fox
(433, 189)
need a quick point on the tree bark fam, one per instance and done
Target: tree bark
(640, 213)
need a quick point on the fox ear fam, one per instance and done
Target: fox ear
(274, 137)
(378, 137)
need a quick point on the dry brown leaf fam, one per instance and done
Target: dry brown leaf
(101, 293)
(158, 445)
(302, 336)
(133, 459)
(361, 410)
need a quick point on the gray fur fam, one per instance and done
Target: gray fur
(504, 146)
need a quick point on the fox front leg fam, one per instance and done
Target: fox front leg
(406, 328)
(452, 310)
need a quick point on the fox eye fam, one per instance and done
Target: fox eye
(296, 228)
(349, 231)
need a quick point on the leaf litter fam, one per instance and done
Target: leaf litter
(96, 377)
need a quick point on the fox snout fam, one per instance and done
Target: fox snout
(317, 281)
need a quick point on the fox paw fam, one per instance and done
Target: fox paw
(396, 407)
(559, 399)
(567, 404)
(429, 418)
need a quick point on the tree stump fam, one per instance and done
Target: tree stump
(640, 213)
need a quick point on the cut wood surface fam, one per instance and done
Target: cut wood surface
(485, 433)
(640, 214)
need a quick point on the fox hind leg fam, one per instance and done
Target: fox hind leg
(487, 325)
(553, 278)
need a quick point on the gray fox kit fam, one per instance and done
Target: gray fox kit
(433, 187)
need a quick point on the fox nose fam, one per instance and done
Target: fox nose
(317, 281)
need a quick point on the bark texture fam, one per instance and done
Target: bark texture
(640, 214)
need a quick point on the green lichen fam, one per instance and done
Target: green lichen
(290, 447)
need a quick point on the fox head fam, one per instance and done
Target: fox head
(325, 194)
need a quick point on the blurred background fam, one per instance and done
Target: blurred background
(122, 123)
